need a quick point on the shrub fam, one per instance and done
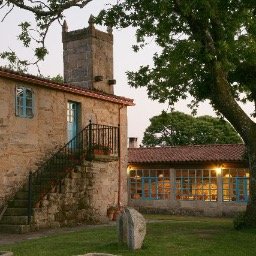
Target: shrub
(239, 221)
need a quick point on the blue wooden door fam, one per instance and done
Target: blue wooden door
(72, 120)
(241, 189)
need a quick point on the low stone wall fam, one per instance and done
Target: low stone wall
(190, 208)
(85, 195)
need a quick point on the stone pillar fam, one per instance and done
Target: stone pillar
(173, 184)
(219, 187)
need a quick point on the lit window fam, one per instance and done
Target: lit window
(149, 184)
(196, 185)
(24, 102)
(235, 185)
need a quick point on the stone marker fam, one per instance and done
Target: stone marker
(131, 228)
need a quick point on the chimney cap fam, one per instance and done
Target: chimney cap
(133, 142)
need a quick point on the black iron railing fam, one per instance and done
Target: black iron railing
(102, 140)
(93, 140)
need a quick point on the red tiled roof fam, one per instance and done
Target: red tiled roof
(183, 154)
(6, 73)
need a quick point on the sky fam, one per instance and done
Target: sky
(124, 60)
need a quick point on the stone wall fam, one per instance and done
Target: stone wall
(193, 208)
(27, 142)
(88, 54)
(85, 195)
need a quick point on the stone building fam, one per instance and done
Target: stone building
(210, 180)
(63, 146)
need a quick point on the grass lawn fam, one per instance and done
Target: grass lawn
(171, 236)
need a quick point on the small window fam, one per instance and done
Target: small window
(24, 102)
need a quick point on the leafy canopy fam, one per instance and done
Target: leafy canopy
(177, 128)
(193, 35)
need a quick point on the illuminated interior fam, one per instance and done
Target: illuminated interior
(190, 184)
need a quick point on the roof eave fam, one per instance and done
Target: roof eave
(66, 87)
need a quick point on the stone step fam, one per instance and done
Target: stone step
(21, 195)
(18, 203)
(14, 229)
(14, 220)
(16, 212)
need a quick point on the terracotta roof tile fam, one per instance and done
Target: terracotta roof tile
(192, 153)
(6, 73)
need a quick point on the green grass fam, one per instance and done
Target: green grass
(171, 236)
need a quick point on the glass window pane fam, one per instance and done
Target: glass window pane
(29, 112)
(24, 102)
(146, 173)
(234, 185)
(28, 93)
(132, 173)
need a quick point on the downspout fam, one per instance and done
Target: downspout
(119, 167)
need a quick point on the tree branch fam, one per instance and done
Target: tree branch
(7, 13)
(50, 12)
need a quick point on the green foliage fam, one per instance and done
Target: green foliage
(207, 51)
(14, 62)
(176, 128)
(58, 79)
(194, 36)
(239, 221)
(24, 35)
(40, 53)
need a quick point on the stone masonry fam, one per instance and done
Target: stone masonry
(88, 58)
(85, 195)
(131, 227)
(27, 143)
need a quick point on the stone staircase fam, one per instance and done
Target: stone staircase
(18, 217)
(15, 217)
(25, 210)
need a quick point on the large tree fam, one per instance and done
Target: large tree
(45, 14)
(177, 128)
(208, 52)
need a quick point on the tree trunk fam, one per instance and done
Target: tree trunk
(224, 102)
(250, 214)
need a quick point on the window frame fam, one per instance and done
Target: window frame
(193, 186)
(232, 191)
(149, 184)
(22, 110)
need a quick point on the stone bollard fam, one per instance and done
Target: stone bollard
(131, 227)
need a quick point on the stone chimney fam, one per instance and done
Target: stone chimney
(133, 142)
(88, 57)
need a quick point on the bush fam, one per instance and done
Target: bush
(239, 221)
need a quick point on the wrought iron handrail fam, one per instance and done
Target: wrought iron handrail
(82, 147)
